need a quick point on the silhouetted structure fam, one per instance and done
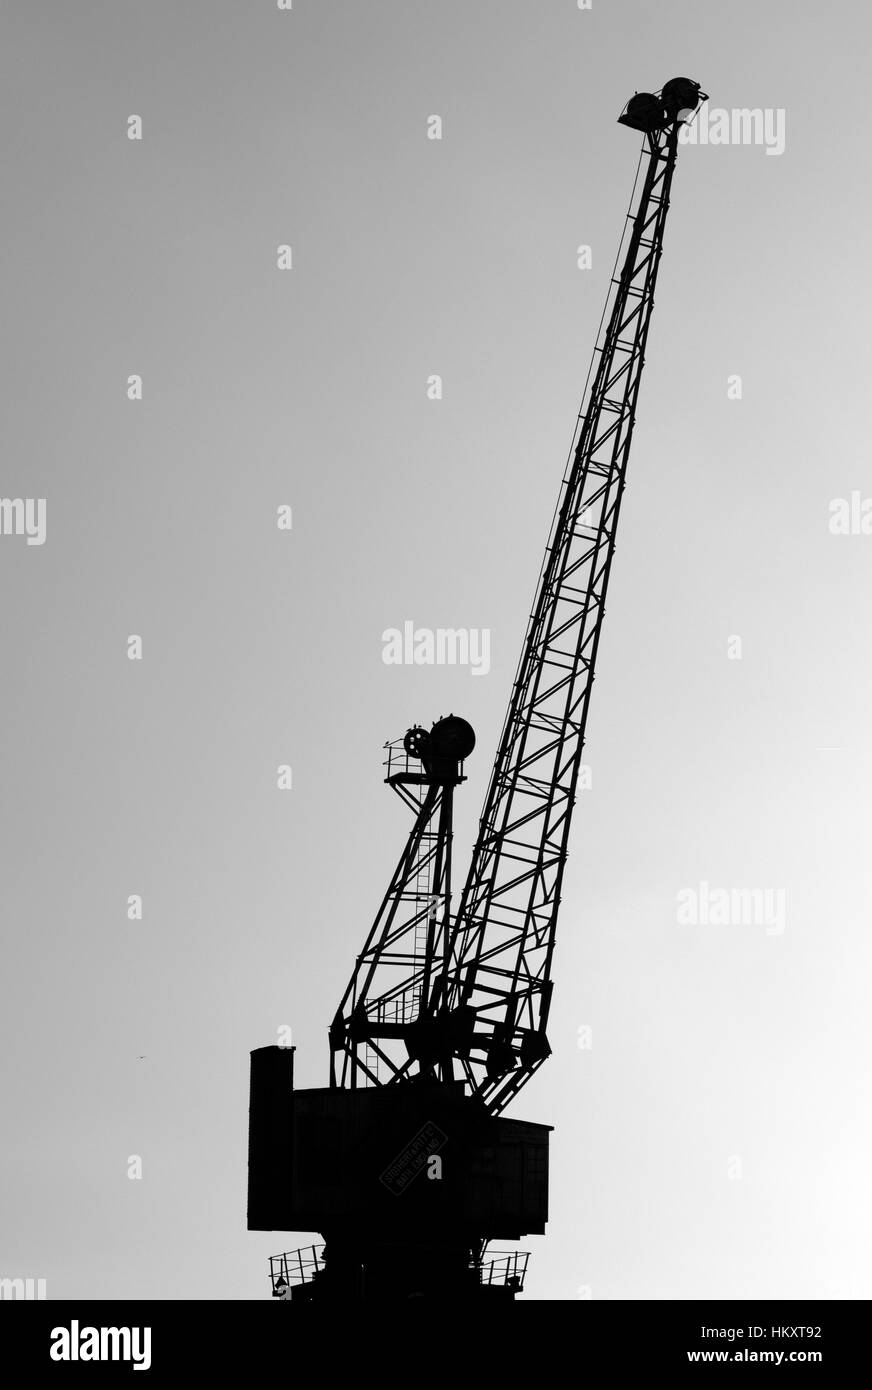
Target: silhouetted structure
(404, 1163)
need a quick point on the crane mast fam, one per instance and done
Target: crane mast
(445, 1016)
(384, 1029)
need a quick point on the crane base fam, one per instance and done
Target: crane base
(405, 1182)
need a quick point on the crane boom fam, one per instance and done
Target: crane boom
(504, 933)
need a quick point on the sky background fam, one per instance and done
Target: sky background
(260, 647)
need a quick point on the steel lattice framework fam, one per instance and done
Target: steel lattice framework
(443, 995)
(379, 1032)
(505, 928)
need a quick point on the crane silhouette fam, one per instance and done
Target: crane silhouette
(405, 1162)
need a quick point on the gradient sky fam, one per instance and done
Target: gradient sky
(308, 387)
